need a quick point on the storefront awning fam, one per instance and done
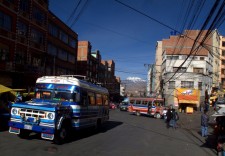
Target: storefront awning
(4, 89)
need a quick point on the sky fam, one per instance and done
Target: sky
(127, 31)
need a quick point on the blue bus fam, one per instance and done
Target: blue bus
(60, 104)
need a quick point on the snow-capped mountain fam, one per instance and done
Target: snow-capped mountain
(134, 79)
(135, 86)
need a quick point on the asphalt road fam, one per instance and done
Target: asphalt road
(123, 135)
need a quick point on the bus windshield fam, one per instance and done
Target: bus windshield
(55, 95)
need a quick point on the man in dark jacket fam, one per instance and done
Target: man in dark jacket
(204, 123)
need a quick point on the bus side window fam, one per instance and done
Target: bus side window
(84, 98)
(91, 98)
(138, 102)
(131, 101)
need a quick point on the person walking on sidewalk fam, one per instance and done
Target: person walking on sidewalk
(204, 123)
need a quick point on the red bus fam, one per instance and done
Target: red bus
(147, 106)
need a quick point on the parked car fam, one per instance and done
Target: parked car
(124, 107)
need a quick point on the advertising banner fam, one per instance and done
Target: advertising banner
(187, 95)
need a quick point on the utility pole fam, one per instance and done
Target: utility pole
(149, 87)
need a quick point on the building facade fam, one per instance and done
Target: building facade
(188, 68)
(23, 35)
(96, 70)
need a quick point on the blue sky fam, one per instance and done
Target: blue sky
(124, 35)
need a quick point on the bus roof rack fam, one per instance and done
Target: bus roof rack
(75, 76)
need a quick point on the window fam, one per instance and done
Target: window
(24, 5)
(223, 52)
(53, 30)
(4, 52)
(98, 99)
(223, 44)
(202, 58)
(22, 29)
(91, 98)
(38, 15)
(63, 37)
(52, 49)
(72, 42)
(132, 101)
(62, 54)
(198, 70)
(71, 58)
(223, 62)
(200, 85)
(20, 56)
(172, 57)
(144, 102)
(179, 69)
(187, 84)
(5, 21)
(138, 102)
(105, 100)
(171, 84)
(37, 36)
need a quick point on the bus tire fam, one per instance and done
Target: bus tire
(138, 113)
(62, 135)
(24, 134)
(158, 116)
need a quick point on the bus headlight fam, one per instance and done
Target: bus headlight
(51, 116)
(14, 111)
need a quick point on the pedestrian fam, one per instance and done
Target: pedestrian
(206, 106)
(174, 118)
(18, 97)
(168, 116)
(204, 123)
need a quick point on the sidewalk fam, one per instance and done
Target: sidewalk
(191, 123)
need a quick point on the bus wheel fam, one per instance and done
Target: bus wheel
(138, 113)
(24, 134)
(158, 116)
(62, 134)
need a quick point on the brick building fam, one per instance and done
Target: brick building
(23, 35)
(34, 42)
(96, 70)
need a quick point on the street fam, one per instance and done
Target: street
(124, 134)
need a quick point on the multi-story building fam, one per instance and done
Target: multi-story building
(62, 45)
(158, 66)
(88, 62)
(34, 42)
(90, 65)
(23, 35)
(222, 62)
(188, 67)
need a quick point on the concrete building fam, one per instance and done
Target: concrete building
(188, 68)
(158, 66)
